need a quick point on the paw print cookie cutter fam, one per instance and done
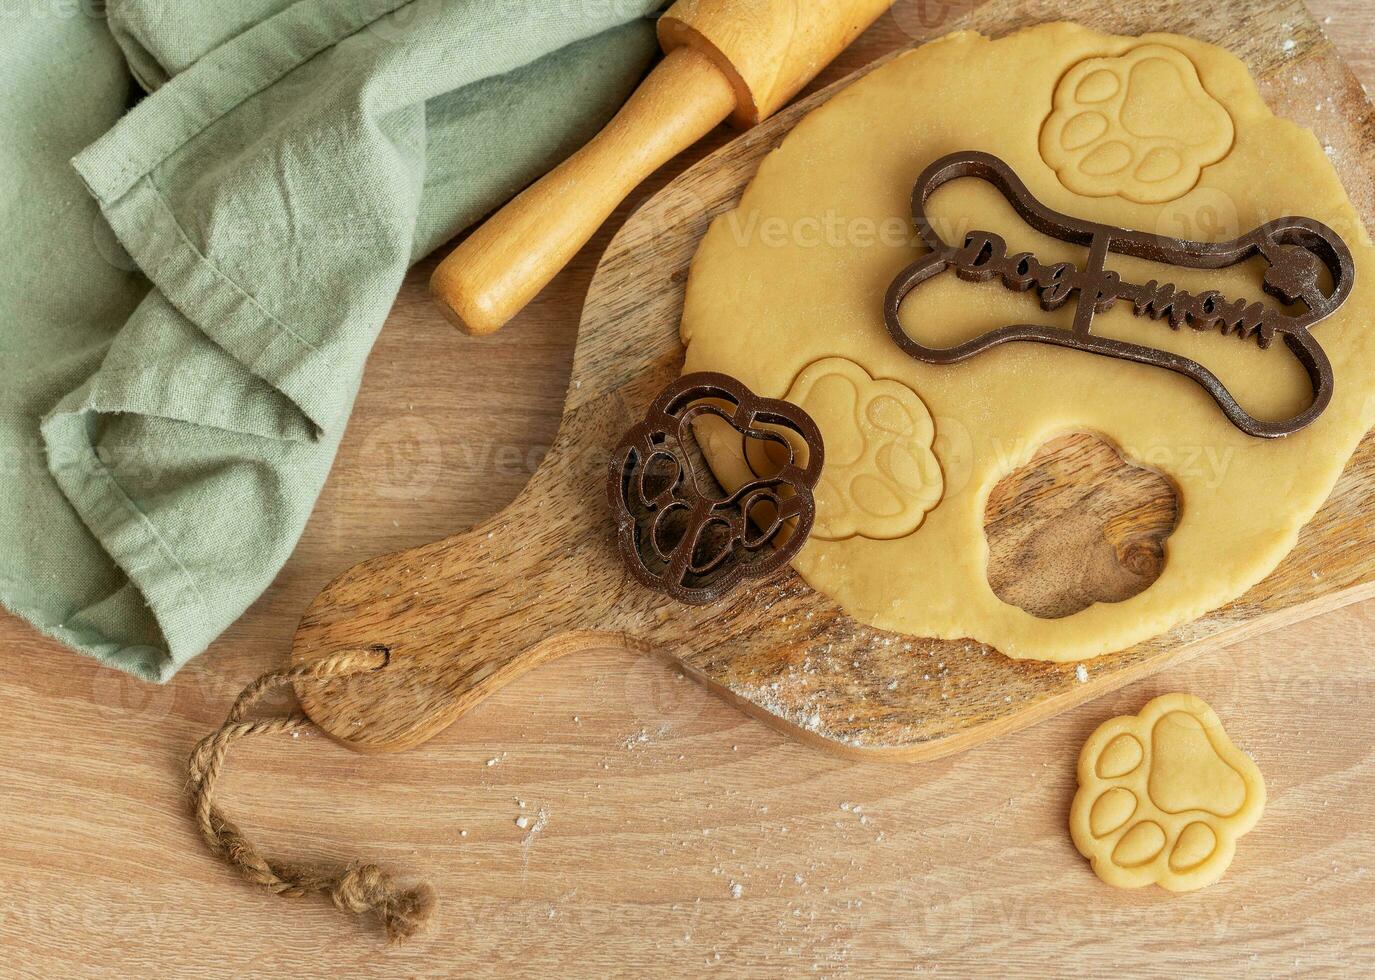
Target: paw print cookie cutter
(677, 532)
(1163, 796)
(1296, 250)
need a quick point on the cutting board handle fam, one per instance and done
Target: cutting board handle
(462, 617)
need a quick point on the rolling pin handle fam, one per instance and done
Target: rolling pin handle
(501, 266)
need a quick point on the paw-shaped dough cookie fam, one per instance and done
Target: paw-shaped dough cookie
(1139, 126)
(1163, 796)
(880, 477)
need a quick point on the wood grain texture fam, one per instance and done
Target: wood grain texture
(543, 578)
(658, 795)
(1077, 524)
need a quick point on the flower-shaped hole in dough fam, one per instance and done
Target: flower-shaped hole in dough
(881, 476)
(1138, 126)
(1163, 796)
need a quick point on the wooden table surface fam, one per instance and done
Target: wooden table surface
(667, 832)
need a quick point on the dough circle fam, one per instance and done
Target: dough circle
(797, 273)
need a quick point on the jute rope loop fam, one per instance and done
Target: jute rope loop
(358, 888)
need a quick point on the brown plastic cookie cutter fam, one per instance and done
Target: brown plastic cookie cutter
(1293, 247)
(677, 532)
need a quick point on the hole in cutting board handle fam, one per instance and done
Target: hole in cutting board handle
(1077, 525)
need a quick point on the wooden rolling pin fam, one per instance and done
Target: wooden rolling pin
(742, 59)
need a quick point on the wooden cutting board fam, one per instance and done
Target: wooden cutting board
(461, 617)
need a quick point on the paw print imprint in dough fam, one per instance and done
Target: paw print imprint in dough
(1139, 126)
(1163, 796)
(881, 476)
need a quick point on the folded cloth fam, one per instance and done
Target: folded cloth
(182, 338)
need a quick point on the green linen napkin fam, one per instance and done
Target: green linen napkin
(192, 286)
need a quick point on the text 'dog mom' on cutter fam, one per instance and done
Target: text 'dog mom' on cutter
(1294, 248)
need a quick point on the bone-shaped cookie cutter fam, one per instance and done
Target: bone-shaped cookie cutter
(1292, 246)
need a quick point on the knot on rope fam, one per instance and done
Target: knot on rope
(358, 888)
(367, 888)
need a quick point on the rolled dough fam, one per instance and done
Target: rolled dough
(1161, 133)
